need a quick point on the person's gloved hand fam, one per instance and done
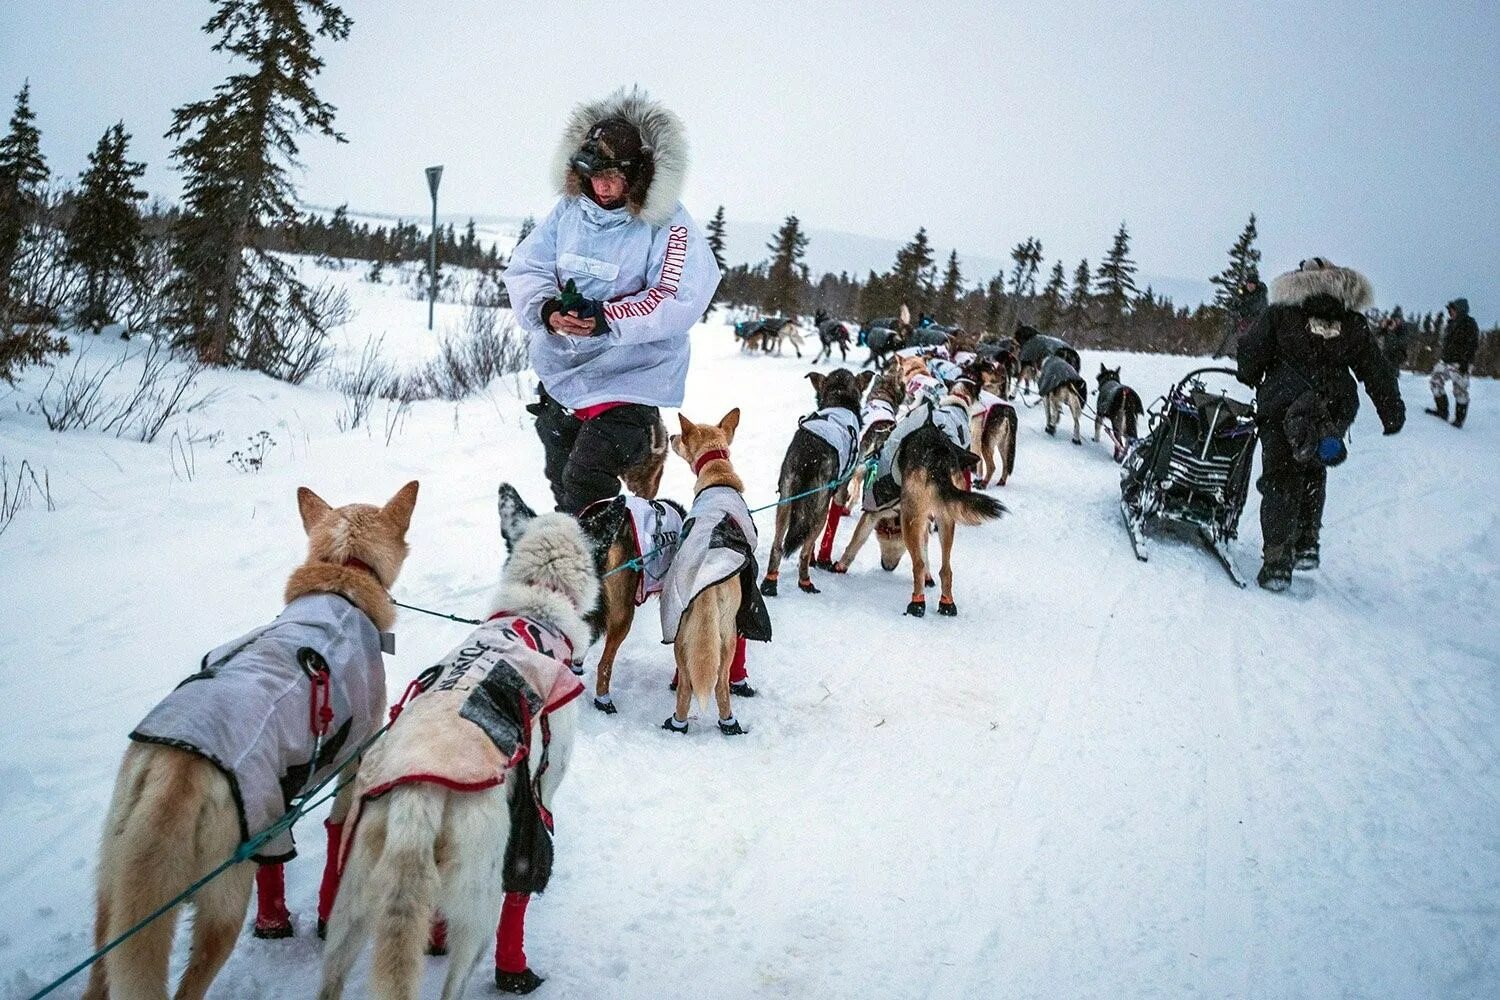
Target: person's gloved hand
(1394, 422)
(592, 310)
(560, 321)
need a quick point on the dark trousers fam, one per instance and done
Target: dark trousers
(1292, 496)
(584, 458)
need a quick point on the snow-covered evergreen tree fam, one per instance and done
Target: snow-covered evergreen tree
(232, 302)
(104, 234)
(786, 275)
(23, 175)
(1116, 276)
(1053, 298)
(1244, 264)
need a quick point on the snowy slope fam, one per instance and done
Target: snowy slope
(1107, 779)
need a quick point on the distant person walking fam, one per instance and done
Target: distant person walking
(1460, 344)
(614, 347)
(1249, 302)
(1395, 339)
(1302, 357)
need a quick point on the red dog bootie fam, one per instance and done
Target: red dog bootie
(511, 972)
(272, 920)
(328, 889)
(836, 513)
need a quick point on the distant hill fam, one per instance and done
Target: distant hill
(828, 250)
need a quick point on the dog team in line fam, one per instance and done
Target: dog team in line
(441, 828)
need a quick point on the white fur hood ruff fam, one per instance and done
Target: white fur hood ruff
(1344, 284)
(661, 131)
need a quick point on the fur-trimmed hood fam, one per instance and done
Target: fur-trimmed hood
(654, 197)
(1345, 285)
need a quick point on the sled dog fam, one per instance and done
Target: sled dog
(1060, 385)
(467, 771)
(824, 449)
(710, 597)
(1118, 403)
(191, 789)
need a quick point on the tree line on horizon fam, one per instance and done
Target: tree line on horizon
(211, 271)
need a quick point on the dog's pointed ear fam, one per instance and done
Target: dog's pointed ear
(729, 423)
(686, 424)
(817, 379)
(515, 515)
(398, 508)
(312, 507)
(863, 380)
(905, 315)
(601, 523)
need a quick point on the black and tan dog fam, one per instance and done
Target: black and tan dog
(1120, 405)
(821, 458)
(992, 423)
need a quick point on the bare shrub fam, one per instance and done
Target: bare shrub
(369, 379)
(83, 397)
(19, 494)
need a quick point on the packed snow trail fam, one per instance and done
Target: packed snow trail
(1106, 778)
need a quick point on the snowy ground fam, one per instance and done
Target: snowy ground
(1107, 779)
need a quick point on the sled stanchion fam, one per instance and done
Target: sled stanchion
(305, 804)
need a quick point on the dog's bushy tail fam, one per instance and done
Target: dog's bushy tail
(963, 506)
(406, 879)
(802, 520)
(1133, 411)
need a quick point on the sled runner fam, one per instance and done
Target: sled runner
(1192, 468)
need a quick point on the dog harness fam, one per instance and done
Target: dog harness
(466, 723)
(987, 402)
(1057, 373)
(718, 542)
(950, 416)
(839, 427)
(656, 526)
(1104, 400)
(247, 709)
(878, 411)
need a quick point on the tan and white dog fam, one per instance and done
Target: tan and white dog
(192, 789)
(487, 739)
(710, 597)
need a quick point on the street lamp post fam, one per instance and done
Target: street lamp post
(434, 175)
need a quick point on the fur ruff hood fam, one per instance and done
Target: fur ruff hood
(1345, 285)
(654, 197)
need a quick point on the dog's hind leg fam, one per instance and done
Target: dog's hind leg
(945, 572)
(619, 602)
(773, 563)
(1076, 405)
(219, 911)
(478, 824)
(914, 534)
(349, 923)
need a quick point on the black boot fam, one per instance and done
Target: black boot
(1439, 407)
(1276, 571)
(1460, 412)
(520, 983)
(1307, 556)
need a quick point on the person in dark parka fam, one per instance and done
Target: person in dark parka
(1460, 344)
(1302, 356)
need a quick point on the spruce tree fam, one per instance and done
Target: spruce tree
(23, 172)
(946, 306)
(1028, 261)
(527, 225)
(104, 235)
(786, 273)
(1116, 276)
(994, 304)
(1244, 264)
(1054, 295)
(715, 233)
(906, 284)
(231, 301)
(1081, 300)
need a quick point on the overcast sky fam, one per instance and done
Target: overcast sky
(1364, 132)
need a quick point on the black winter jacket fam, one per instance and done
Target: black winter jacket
(1461, 342)
(1282, 358)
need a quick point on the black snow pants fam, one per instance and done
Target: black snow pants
(584, 458)
(1292, 496)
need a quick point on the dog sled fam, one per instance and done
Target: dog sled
(1193, 467)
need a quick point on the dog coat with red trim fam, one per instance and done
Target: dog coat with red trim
(247, 710)
(656, 526)
(949, 416)
(987, 402)
(718, 542)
